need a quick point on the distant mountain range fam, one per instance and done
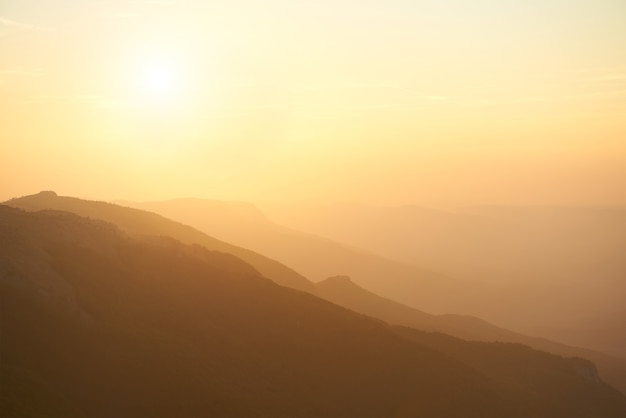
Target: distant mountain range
(342, 291)
(143, 222)
(246, 220)
(317, 257)
(515, 257)
(101, 321)
(567, 263)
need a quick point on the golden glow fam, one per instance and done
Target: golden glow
(397, 102)
(156, 77)
(160, 80)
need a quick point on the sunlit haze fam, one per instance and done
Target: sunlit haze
(437, 103)
(322, 208)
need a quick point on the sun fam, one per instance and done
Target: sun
(161, 80)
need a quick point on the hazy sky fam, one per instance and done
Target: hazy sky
(391, 102)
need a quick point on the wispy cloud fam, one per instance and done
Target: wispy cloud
(14, 24)
(121, 15)
(134, 8)
(612, 94)
(9, 73)
(352, 85)
(156, 2)
(607, 78)
(101, 102)
(602, 75)
(27, 72)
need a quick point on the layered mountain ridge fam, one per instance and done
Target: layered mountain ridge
(567, 262)
(353, 297)
(133, 325)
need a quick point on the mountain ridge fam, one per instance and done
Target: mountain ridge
(145, 222)
(530, 252)
(410, 284)
(345, 292)
(613, 370)
(179, 330)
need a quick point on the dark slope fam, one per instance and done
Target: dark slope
(537, 386)
(244, 223)
(97, 323)
(342, 291)
(152, 224)
(317, 257)
(567, 263)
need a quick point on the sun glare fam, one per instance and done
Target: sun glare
(160, 84)
(160, 80)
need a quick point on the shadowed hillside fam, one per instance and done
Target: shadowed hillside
(243, 222)
(143, 222)
(498, 253)
(560, 271)
(317, 257)
(342, 291)
(97, 322)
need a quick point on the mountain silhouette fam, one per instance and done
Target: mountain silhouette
(243, 220)
(317, 257)
(343, 291)
(435, 238)
(149, 223)
(97, 321)
(531, 253)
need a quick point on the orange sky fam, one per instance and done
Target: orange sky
(389, 102)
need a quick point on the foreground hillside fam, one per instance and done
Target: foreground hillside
(532, 252)
(245, 225)
(150, 223)
(244, 221)
(343, 291)
(317, 257)
(98, 323)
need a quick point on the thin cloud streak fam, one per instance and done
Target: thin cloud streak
(8, 73)
(14, 24)
(79, 99)
(22, 72)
